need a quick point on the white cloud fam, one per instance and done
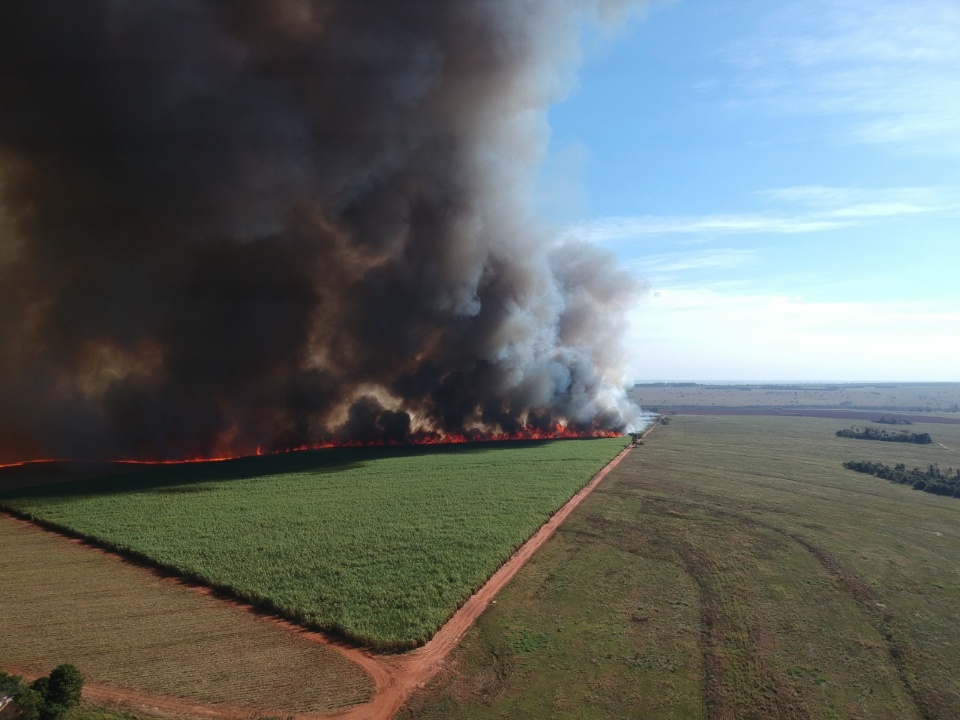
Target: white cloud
(822, 209)
(866, 203)
(888, 69)
(624, 228)
(716, 333)
(706, 259)
(931, 198)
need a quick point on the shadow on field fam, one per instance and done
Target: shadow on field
(82, 478)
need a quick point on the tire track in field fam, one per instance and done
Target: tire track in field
(395, 677)
(738, 679)
(926, 704)
(864, 598)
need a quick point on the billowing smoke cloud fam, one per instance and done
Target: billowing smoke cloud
(231, 224)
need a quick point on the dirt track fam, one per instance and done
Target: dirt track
(145, 702)
(852, 414)
(416, 668)
(395, 677)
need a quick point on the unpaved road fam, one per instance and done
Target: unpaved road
(416, 668)
(395, 677)
(840, 414)
(147, 703)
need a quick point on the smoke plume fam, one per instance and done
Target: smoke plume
(232, 224)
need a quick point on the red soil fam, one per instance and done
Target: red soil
(395, 677)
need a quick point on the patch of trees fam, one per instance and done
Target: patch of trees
(869, 433)
(46, 698)
(884, 420)
(932, 480)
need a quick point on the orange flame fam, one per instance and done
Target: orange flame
(558, 432)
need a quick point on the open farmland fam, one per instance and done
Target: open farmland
(139, 633)
(941, 398)
(730, 568)
(377, 545)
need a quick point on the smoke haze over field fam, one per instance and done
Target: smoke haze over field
(230, 225)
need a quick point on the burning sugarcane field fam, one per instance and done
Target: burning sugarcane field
(412, 359)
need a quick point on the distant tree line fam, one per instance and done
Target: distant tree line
(884, 420)
(932, 480)
(869, 433)
(46, 698)
(666, 384)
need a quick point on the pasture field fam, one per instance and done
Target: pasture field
(126, 627)
(904, 397)
(376, 545)
(730, 568)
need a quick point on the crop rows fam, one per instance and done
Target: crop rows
(376, 545)
(126, 628)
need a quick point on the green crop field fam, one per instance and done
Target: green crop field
(125, 627)
(730, 568)
(377, 545)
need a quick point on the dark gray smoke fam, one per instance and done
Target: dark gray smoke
(227, 224)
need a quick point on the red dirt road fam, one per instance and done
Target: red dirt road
(415, 669)
(147, 703)
(395, 677)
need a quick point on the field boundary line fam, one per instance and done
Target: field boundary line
(419, 666)
(395, 676)
(151, 703)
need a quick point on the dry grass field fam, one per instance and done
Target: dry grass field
(126, 627)
(731, 568)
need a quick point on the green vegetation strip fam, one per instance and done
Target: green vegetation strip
(932, 480)
(377, 545)
(869, 433)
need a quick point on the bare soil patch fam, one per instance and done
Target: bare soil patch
(864, 415)
(135, 633)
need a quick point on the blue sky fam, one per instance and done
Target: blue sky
(783, 177)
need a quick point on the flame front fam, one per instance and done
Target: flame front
(557, 432)
(285, 234)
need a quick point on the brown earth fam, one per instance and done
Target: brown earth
(395, 677)
(865, 415)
